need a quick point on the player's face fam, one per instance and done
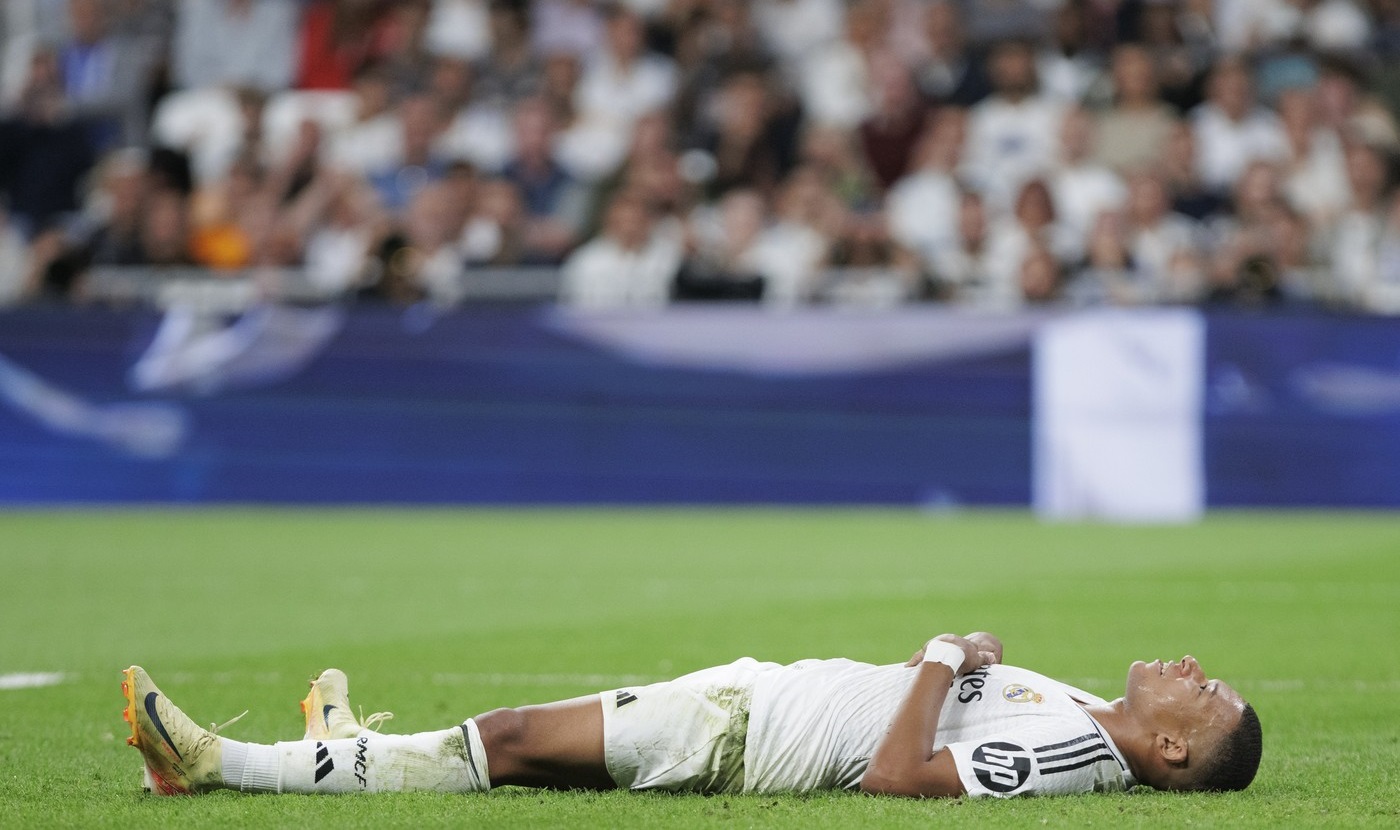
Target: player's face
(1179, 694)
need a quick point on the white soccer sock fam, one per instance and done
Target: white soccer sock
(252, 768)
(451, 760)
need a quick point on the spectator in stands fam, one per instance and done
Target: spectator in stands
(959, 271)
(923, 207)
(1179, 39)
(566, 27)
(1244, 267)
(1182, 173)
(722, 255)
(714, 42)
(1356, 240)
(44, 152)
(1033, 225)
(836, 80)
(1291, 253)
(1133, 131)
(791, 253)
(499, 232)
(952, 74)
(1257, 192)
(1241, 26)
(1347, 108)
(619, 85)
(106, 76)
(26, 27)
(512, 71)
(1231, 129)
(420, 259)
(1082, 188)
(653, 170)
(1333, 25)
(407, 59)
(416, 161)
(1067, 66)
(479, 131)
(888, 136)
(1162, 245)
(1041, 277)
(338, 39)
(1012, 136)
(797, 29)
(165, 234)
(236, 43)
(429, 259)
(1002, 20)
(554, 203)
(213, 126)
(878, 272)
(230, 218)
(750, 144)
(110, 231)
(340, 219)
(371, 141)
(1315, 171)
(832, 152)
(630, 265)
(1386, 36)
(559, 77)
(1107, 274)
(459, 29)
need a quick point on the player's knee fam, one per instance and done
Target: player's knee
(503, 732)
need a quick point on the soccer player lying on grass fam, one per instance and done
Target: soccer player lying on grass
(952, 721)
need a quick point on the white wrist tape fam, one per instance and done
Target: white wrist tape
(937, 651)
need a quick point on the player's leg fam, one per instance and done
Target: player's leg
(557, 745)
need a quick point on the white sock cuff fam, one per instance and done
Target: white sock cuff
(233, 760)
(252, 768)
(476, 755)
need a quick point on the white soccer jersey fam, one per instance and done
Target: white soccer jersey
(815, 724)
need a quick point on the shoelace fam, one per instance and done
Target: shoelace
(373, 721)
(215, 727)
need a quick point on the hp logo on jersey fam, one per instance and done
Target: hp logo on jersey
(1001, 766)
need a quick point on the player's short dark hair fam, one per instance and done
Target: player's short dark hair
(1236, 760)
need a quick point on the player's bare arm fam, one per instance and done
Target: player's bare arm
(904, 763)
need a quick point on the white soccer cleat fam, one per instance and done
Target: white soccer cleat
(182, 758)
(327, 709)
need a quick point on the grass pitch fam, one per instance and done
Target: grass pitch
(439, 615)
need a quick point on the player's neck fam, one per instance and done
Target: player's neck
(1125, 732)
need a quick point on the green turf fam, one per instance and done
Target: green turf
(441, 614)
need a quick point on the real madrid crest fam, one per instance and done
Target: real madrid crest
(1016, 693)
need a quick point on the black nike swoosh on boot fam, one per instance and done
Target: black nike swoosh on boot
(160, 727)
(326, 714)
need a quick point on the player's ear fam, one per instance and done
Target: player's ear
(1172, 748)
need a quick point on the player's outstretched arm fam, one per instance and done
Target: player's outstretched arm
(904, 762)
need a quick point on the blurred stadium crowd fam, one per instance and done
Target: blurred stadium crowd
(1000, 152)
